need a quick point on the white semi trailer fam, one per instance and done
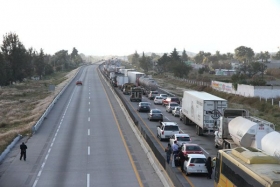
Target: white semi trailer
(203, 110)
(243, 131)
(133, 77)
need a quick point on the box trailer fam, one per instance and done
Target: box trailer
(203, 110)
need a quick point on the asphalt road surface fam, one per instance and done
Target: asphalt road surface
(84, 141)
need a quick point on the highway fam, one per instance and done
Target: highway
(84, 141)
(206, 142)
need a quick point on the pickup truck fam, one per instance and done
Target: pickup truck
(166, 129)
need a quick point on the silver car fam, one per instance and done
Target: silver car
(170, 106)
(155, 114)
(176, 111)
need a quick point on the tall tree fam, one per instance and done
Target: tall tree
(174, 55)
(185, 56)
(135, 58)
(199, 57)
(162, 63)
(40, 64)
(15, 56)
(3, 73)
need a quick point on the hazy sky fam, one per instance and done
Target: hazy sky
(121, 27)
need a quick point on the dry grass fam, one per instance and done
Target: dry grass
(21, 105)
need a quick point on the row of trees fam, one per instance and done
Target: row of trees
(173, 63)
(17, 62)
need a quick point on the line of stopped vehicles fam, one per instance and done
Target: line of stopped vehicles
(233, 129)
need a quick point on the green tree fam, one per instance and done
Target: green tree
(3, 75)
(162, 63)
(15, 56)
(277, 56)
(174, 55)
(39, 64)
(145, 63)
(185, 56)
(244, 54)
(135, 58)
(198, 58)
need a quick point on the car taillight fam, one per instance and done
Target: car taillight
(191, 165)
(162, 132)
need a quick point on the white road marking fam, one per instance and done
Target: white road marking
(88, 103)
(88, 150)
(89, 109)
(88, 132)
(88, 118)
(43, 164)
(88, 181)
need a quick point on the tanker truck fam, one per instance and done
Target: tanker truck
(270, 144)
(242, 131)
(148, 84)
(203, 110)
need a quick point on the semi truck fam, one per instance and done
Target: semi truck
(241, 131)
(121, 80)
(203, 110)
(133, 77)
(148, 84)
(136, 94)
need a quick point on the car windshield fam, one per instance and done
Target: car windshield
(156, 111)
(173, 104)
(183, 139)
(198, 160)
(163, 95)
(172, 128)
(193, 148)
(158, 97)
(175, 99)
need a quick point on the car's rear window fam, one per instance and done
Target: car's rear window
(144, 104)
(183, 139)
(193, 148)
(198, 160)
(174, 99)
(156, 111)
(173, 104)
(171, 128)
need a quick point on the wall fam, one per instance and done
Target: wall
(248, 90)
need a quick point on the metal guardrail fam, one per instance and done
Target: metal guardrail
(8, 149)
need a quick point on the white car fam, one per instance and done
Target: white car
(195, 164)
(176, 111)
(180, 138)
(158, 100)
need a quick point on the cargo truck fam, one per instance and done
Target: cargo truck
(136, 94)
(203, 110)
(121, 80)
(242, 131)
(133, 77)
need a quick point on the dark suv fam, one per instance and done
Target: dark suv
(170, 99)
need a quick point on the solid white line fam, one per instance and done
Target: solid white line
(88, 150)
(88, 132)
(88, 181)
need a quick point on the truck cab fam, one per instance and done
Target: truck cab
(166, 129)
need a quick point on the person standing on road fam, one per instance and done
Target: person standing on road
(23, 148)
(175, 147)
(209, 167)
(182, 159)
(168, 151)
